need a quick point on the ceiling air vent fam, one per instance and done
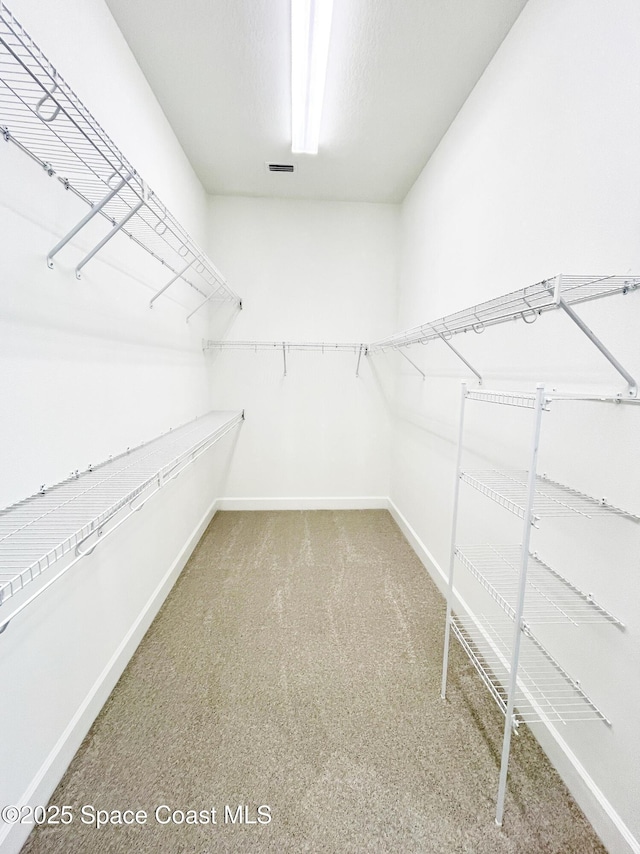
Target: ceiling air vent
(280, 167)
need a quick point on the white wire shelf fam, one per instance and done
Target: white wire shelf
(44, 117)
(545, 691)
(68, 519)
(550, 597)
(285, 347)
(509, 489)
(527, 400)
(526, 303)
(319, 346)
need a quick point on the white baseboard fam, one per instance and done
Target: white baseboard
(13, 837)
(349, 503)
(607, 822)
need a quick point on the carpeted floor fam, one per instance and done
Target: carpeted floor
(296, 666)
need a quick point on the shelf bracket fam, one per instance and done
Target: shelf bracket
(85, 219)
(632, 390)
(177, 276)
(116, 228)
(411, 362)
(461, 357)
(201, 305)
(284, 356)
(362, 347)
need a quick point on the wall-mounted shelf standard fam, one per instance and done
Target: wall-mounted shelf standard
(63, 523)
(560, 292)
(285, 347)
(44, 117)
(524, 679)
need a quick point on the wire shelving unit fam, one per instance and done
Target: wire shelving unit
(285, 347)
(59, 525)
(44, 118)
(524, 679)
(560, 292)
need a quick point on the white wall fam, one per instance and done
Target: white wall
(539, 174)
(308, 271)
(86, 371)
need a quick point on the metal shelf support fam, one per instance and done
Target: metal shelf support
(411, 362)
(116, 228)
(177, 276)
(632, 385)
(96, 209)
(461, 357)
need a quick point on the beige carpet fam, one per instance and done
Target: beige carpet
(296, 665)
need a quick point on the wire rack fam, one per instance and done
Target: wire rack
(527, 400)
(509, 489)
(527, 304)
(545, 691)
(69, 518)
(322, 346)
(550, 597)
(524, 400)
(44, 117)
(285, 347)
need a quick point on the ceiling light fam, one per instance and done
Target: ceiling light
(310, 32)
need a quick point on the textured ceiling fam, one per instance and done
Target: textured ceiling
(399, 71)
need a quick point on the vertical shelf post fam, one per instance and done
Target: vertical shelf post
(522, 582)
(454, 525)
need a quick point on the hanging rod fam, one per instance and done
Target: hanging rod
(287, 346)
(44, 118)
(61, 524)
(527, 304)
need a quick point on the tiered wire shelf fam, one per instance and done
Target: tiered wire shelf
(64, 523)
(508, 488)
(544, 690)
(43, 116)
(524, 679)
(560, 292)
(550, 597)
(286, 347)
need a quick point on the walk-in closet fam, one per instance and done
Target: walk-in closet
(320, 480)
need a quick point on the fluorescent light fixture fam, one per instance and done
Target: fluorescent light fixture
(310, 33)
